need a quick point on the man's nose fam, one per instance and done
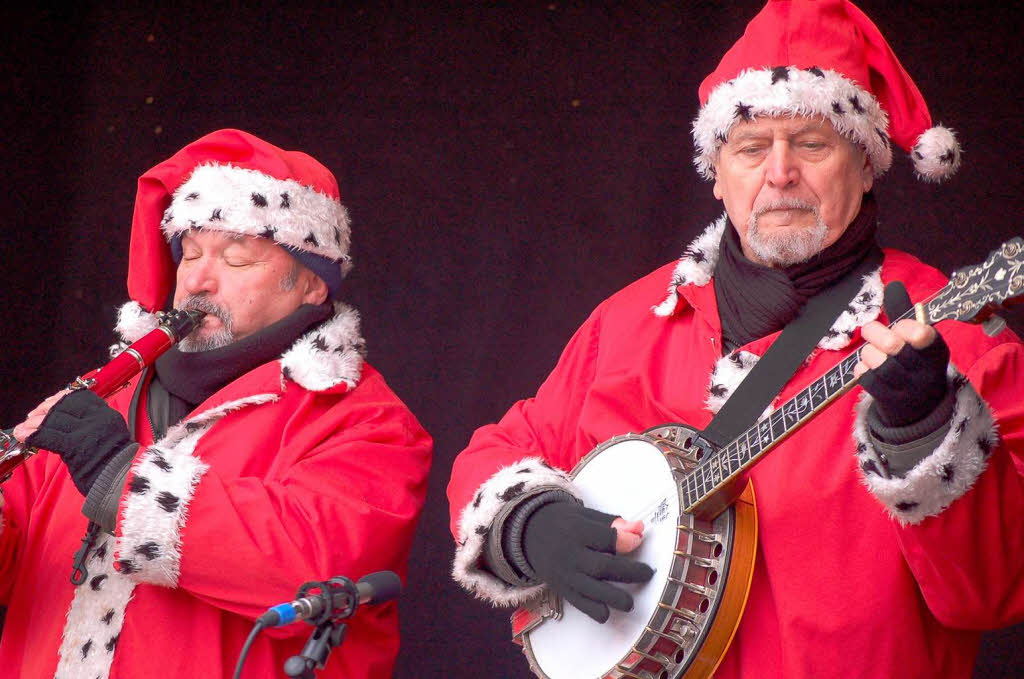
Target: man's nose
(199, 277)
(781, 170)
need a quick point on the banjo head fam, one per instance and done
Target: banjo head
(633, 477)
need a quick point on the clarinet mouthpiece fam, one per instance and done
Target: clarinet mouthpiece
(181, 322)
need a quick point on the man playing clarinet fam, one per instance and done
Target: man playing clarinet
(259, 453)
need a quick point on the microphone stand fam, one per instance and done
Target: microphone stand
(328, 629)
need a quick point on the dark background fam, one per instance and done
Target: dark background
(506, 169)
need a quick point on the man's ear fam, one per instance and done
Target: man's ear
(714, 168)
(867, 174)
(314, 290)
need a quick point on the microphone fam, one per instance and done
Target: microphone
(341, 594)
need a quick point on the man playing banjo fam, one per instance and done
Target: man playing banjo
(881, 547)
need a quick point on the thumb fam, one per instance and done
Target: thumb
(628, 535)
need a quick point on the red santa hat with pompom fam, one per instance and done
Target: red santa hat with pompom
(822, 58)
(233, 181)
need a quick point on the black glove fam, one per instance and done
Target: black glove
(908, 386)
(85, 432)
(572, 549)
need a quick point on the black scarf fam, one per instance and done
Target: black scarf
(755, 300)
(192, 377)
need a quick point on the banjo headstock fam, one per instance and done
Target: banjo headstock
(975, 292)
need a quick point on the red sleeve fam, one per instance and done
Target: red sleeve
(527, 452)
(16, 497)
(542, 426)
(969, 559)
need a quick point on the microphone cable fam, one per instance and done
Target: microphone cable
(256, 629)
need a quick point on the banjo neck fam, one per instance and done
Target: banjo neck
(972, 294)
(714, 484)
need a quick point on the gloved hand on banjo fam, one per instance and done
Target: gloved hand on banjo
(904, 369)
(577, 552)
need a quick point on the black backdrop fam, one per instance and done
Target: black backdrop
(506, 169)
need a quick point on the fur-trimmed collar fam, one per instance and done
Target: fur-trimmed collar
(322, 359)
(696, 266)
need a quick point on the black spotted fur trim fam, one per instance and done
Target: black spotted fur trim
(729, 372)
(164, 479)
(946, 474)
(503, 487)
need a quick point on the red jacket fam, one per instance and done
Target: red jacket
(845, 583)
(266, 485)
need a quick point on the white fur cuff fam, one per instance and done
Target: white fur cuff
(947, 473)
(505, 486)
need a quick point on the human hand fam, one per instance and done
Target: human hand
(575, 551)
(85, 432)
(904, 369)
(38, 414)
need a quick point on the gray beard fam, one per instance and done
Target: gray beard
(786, 249)
(221, 338)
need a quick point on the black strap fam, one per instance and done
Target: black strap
(786, 354)
(133, 406)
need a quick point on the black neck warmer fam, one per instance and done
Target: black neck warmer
(755, 300)
(193, 377)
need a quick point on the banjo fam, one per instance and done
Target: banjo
(700, 521)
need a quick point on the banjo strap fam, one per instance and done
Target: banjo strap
(786, 354)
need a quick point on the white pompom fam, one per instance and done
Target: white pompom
(936, 154)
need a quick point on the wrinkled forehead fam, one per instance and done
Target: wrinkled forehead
(782, 126)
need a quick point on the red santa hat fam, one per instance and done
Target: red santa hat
(822, 58)
(232, 181)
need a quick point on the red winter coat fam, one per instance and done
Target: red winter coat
(266, 485)
(846, 583)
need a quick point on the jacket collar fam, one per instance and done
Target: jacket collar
(696, 266)
(328, 358)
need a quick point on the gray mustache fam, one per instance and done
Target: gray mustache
(203, 303)
(785, 204)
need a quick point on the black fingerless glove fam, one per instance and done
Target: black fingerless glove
(907, 387)
(572, 550)
(85, 432)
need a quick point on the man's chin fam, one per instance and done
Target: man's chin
(777, 248)
(786, 221)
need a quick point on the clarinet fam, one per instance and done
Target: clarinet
(115, 375)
